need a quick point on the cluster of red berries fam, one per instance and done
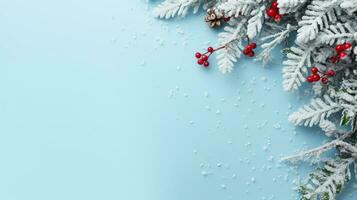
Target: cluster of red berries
(274, 12)
(203, 58)
(248, 50)
(317, 75)
(341, 51)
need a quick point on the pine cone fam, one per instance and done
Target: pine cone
(213, 18)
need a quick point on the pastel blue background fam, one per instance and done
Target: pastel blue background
(101, 101)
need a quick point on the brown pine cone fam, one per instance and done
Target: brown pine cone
(213, 18)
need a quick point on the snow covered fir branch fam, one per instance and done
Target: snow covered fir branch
(320, 39)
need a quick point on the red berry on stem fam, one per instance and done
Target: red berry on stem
(246, 51)
(210, 49)
(200, 61)
(277, 17)
(314, 70)
(316, 77)
(249, 48)
(253, 45)
(339, 48)
(347, 45)
(251, 54)
(271, 12)
(331, 72)
(342, 55)
(274, 4)
(324, 80)
(204, 58)
(206, 64)
(310, 79)
(198, 55)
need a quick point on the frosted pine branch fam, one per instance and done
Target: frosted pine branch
(329, 128)
(276, 39)
(319, 14)
(172, 8)
(237, 8)
(226, 59)
(255, 23)
(326, 183)
(316, 112)
(295, 67)
(287, 6)
(316, 152)
(320, 26)
(231, 39)
(338, 33)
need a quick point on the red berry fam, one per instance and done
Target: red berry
(271, 12)
(331, 72)
(206, 64)
(246, 51)
(250, 47)
(210, 49)
(200, 61)
(253, 45)
(339, 48)
(316, 77)
(277, 17)
(198, 55)
(314, 70)
(204, 58)
(310, 79)
(251, 54)
(274, 4)
(347, 45)
(342, 55)
(324, 80)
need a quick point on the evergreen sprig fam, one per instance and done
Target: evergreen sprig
(320, 29)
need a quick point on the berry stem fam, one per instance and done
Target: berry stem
(219, 48)
(248, 39)
(203, 57)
